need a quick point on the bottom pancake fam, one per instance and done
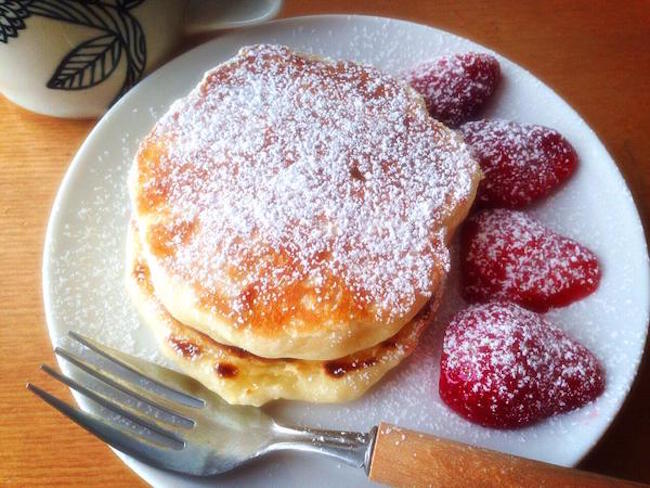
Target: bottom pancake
(243, 378)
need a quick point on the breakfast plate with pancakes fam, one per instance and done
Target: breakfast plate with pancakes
(314, 292)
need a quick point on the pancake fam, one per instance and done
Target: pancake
(242, 378)
(294, 206)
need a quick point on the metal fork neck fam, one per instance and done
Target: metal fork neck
(352, 448)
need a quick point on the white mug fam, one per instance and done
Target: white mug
(74, 58)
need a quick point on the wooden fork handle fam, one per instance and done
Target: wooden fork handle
(403, 457)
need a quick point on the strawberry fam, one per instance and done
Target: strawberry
(455, 87)
(507, 255)
(521, 163)
(504, 366)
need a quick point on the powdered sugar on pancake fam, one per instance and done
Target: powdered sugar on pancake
(284, 174)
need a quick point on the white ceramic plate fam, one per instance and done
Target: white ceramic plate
(83, 262)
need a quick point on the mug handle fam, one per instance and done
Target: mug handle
(209, 15)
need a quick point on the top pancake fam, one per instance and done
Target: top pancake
(299, 207)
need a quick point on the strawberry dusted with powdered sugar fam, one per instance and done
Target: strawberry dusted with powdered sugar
(503, 366)
(455, 87)
(508, 255)
(521, 163)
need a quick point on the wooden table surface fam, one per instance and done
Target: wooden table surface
(594, 54)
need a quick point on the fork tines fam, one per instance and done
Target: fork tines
(138, 392)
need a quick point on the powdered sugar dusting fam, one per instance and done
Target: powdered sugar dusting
(511, 256)
(505, 366)
(521, 162)
(455, 86)
(82, 266)
(333, 166)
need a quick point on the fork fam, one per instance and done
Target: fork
(170, 421)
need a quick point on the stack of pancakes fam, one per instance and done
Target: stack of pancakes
(291, 218)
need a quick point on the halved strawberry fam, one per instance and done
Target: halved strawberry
(521, 163)
(503, 366)
(455, 87)
(507, 255)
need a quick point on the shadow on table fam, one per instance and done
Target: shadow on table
(623, 451)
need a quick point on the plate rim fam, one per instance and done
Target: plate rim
(55, 215)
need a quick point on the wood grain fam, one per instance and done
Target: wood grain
(402, 457)
(593, 53)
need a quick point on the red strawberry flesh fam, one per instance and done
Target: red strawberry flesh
(507, 255)
(505, 367)
(521, 163)
(456, 87)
